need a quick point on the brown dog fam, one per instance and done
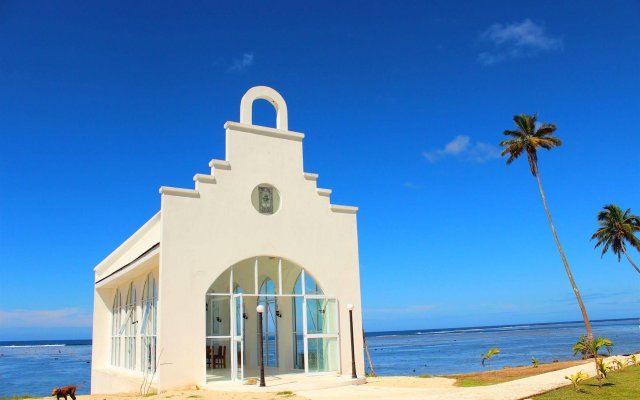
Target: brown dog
(64, 392)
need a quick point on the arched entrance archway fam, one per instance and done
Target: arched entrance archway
(300, 322)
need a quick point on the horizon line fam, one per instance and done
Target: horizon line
(503, 325)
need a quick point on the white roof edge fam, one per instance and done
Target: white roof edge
(130, 267)
(172, 191)
(129, 242)
(222, 164)
(310, 176)
(206, 178)
(264, 130)
(344, 209)
(324, 192)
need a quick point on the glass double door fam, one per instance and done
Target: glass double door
(321, 334)
(226, 337)
(313, 331)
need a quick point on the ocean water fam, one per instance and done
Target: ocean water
(454, 351)
(36, 367)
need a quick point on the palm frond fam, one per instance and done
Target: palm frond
(545, 129)
(526, 123)
(515, 134)
(511, 142)
(514, 151)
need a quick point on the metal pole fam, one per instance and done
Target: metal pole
(262, 383)
(353, 356)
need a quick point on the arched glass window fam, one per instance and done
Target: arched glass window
(116, 322)
(311, 286)
(269, 322)
(148, 325)
(130, 320)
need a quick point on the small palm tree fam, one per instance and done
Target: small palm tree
(576, 379)
(528, 138)
(603, 370)
(487, 356)
(592, 347)
(534, 362)
(616, 229)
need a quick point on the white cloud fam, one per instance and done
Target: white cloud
(462, 147)
(412, 185)
(60, 318)
(515, 40)
(242, 64)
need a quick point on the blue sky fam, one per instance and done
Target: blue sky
(402, 106)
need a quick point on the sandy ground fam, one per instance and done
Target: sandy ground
(195, 394)
(410, 382)
(400, 387)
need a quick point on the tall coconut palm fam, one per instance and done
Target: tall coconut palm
(616, 229)
(528, 138)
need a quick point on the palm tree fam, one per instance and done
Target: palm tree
(487, 356)
(529, 138)
(593, 347)
(616, 229)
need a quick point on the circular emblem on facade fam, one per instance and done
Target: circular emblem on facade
(265, 199)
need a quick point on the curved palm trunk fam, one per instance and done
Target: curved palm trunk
(629, 259)
(564, 258)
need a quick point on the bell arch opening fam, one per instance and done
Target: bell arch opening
(299, 323)
(264, 113)
(270, 95)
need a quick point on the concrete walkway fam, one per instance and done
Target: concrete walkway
(442, 389)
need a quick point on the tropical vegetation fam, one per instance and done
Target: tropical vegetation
(592, 347)
(623, 384)
(617, 229)
(486, 357)
(527, 139)
(577, 378)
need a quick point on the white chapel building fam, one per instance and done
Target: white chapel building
(175, 304)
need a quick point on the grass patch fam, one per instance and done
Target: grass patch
(623, 384)
(425, 376)
(468, 382)
(285, 393)
(19, 397)
(509, 373)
